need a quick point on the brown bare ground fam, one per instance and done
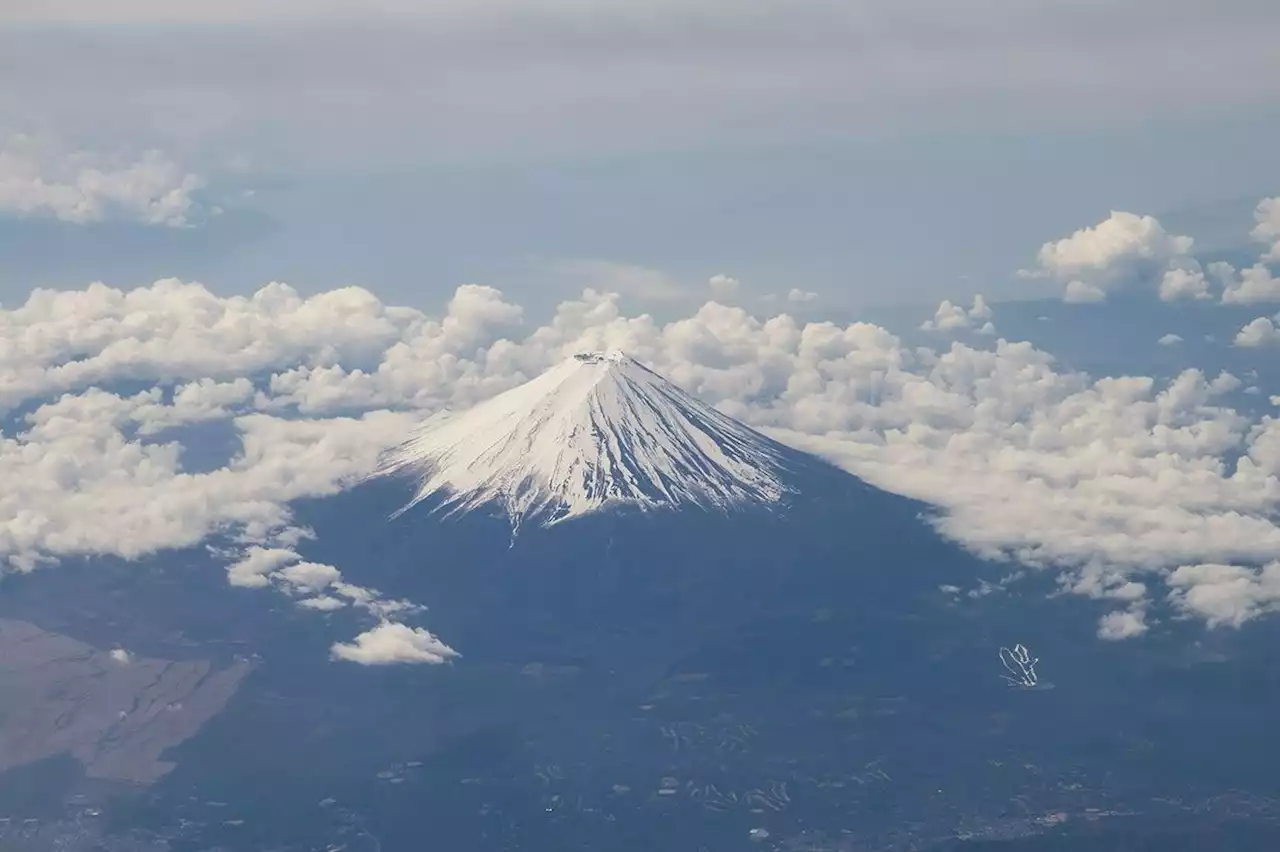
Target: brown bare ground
(61, 696)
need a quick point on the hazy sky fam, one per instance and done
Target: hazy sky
(514, 182)
(872, 152)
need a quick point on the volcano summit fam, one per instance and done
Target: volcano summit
(598, 429)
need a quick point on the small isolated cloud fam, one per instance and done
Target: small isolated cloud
(798, 296)
(40, 180)
(952, 317)
(1170, 339)
(1122, 624)
(1123, 250)
(723, 287)
(1267, 229)
(1258, 333)
(120, 655)
(1127, 251)
(1079, 292)
(391, 643)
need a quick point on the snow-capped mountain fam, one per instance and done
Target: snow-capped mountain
(597, 429)
(817, 673)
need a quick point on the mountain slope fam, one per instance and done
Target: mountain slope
(598, 429)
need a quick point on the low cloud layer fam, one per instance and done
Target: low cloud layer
(40, 180)
(1154, 496)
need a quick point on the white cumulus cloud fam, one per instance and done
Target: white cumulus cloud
(1126, 251)
(1122, 624)
(1267, 229)
(724, 287)
(1226, 594)
(1122, 484)
(1249, 286)
(391, 642)
(41, 180)
(952, 317)
(1122, 250)
(1184, 283)
(1257, 333)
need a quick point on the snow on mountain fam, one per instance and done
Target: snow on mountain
(598, 429)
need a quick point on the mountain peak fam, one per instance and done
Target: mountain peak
(596, 430)
(613, 356)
